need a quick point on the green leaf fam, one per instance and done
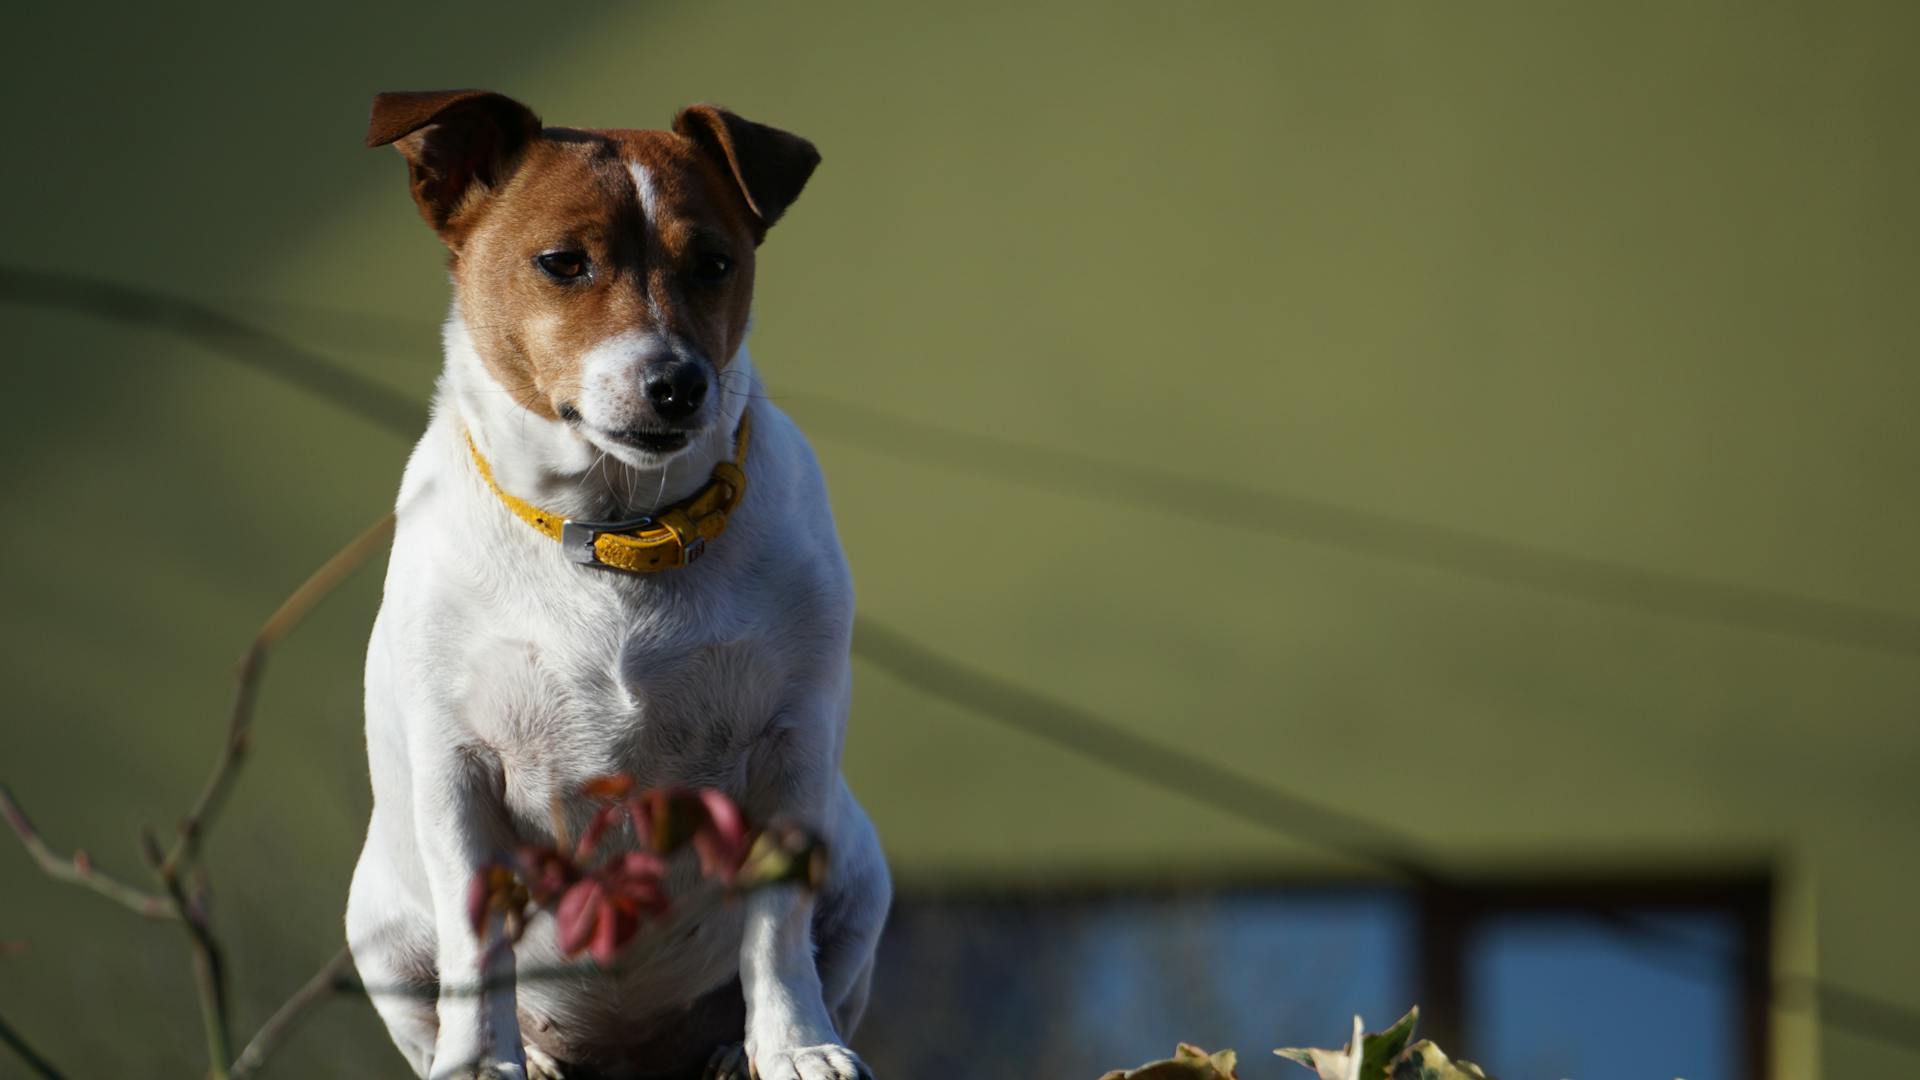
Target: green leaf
(1188, 1063)
(1329, 1064)
(1365, 1057)
(1342, 1064)
(1425, 1061)
(1378, 1050)
(781, 855)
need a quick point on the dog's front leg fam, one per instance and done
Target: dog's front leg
(461, 821)
(790, 1034)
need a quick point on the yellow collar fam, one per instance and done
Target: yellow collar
(672, 537)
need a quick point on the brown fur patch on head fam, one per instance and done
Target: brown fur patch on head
(653, 213)
(577, 192)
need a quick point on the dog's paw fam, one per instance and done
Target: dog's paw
(825, 1062)
(499, 1070)
(542, 1067)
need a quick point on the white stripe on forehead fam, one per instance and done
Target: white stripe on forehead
(643, 183)
(649, 200)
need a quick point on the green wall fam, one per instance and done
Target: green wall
(1625, 281)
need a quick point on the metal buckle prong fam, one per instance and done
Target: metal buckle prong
(577, 537)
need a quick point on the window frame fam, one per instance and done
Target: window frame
(1450, 915)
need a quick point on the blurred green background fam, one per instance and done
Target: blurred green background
(1625, 281)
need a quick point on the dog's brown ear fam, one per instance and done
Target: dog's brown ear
(458, 144)
(770, 165)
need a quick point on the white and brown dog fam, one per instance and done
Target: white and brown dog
(544, 620)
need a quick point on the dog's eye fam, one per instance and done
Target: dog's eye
(563, 265)
(710, 268)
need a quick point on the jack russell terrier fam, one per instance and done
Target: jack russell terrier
(545, 620)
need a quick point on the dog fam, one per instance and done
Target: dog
(613, 555)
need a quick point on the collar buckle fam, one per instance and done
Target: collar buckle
(577, 537)
(692, 550)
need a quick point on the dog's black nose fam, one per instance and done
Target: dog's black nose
(676, 388)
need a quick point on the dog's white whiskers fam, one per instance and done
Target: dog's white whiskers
(747, 393)
(580, 482)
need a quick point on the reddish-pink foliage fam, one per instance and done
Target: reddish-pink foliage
(600, 902)
(605, 909)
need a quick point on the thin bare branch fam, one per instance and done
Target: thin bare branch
(334, 977)
(178, 870)
(35, 1061)
(79, 870)
(208, 969)
(190, 903)
(252, 663)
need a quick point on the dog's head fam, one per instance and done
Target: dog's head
(605, 276)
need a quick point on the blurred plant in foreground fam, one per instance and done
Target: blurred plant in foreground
(601, 899)
(1382, 1056)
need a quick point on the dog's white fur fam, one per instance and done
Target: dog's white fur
(500, 675)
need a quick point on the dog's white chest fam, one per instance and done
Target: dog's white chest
(577, 702)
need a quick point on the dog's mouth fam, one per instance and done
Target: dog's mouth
(651, 440)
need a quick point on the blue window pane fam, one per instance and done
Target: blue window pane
(1563, 996)
(1074, 988)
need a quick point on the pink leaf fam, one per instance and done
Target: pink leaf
(642, 818)
(719, 858)
(574, 919)
(479, 898)
(547, 873)
(724, 815)
(607, 939)
(637, 882)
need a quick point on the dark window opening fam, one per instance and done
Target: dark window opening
(1652, 979)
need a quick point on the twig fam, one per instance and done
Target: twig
(40, 1065)
(208, 971)
(79, 870)
(191, 907)
(335, 976)
(178, 869)
(252, 664)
